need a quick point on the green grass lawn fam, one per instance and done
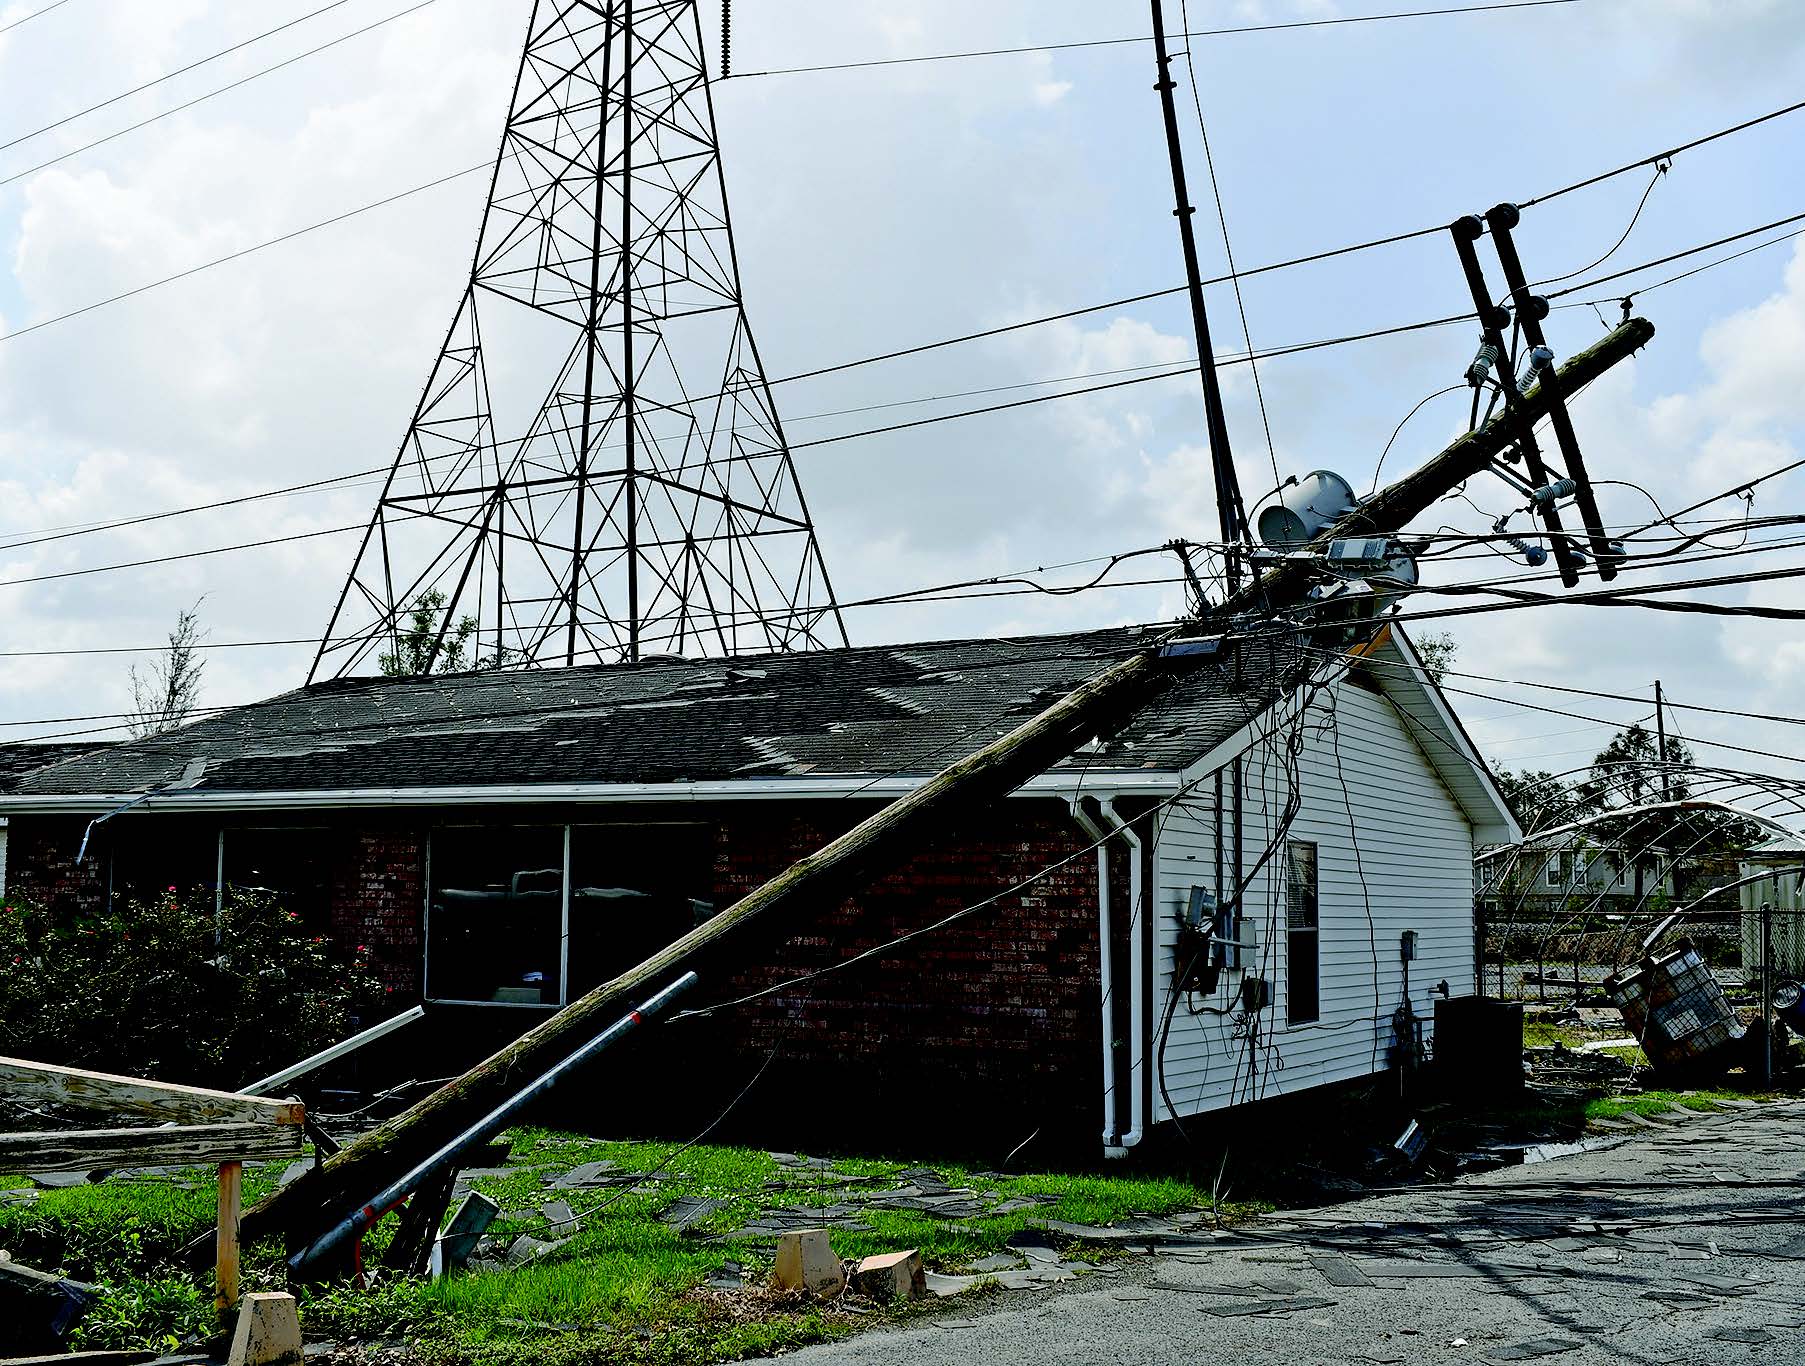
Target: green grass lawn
(625, 1288)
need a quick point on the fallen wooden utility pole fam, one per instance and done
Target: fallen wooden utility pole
(304, 1208)
(1391, 509)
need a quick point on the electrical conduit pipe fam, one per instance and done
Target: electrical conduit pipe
(1117, 1142)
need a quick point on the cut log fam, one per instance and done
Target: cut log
(84, 1150)
(137, 1098)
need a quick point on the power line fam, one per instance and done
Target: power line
(239, 255)
(183, 555)
(202, 99)
(1144, 38)
(169, 75)
(35, 14)
(1228, 248)
(1668, 155)
(1675, 256)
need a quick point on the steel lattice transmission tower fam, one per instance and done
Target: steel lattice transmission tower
(647, 501)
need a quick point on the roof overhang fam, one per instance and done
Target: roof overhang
(1057, 784)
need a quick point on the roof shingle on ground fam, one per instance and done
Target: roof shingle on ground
(871, 710)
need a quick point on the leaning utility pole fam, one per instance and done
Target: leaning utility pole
(1230, 513)
(345, 1181)
(1391, 509)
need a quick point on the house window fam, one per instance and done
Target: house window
(495, 915)
(289, 865)
(1303, 972)
(1560, 870)
(633, 890)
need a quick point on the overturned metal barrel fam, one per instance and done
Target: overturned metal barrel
(1674, 1006)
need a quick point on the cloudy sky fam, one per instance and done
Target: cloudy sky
(876, 208)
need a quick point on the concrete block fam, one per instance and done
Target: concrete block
(806, 1261)
(268, 1332)
(891, 1275)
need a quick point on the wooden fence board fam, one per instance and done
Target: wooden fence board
(137, 1098)
(75, 1150)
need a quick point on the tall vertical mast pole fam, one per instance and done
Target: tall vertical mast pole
(628, 415)
(595, 322)
(1231, 515)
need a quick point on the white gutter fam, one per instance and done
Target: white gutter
(1137, 985)
(1131, 782)
(1105, 967)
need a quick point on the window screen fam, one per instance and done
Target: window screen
(1303, 973)
(495, 915)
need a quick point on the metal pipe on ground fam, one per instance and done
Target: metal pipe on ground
(353, 1224)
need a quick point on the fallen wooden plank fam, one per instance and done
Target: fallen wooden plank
(138, 1098)
(125, 1357)
(80, 1150)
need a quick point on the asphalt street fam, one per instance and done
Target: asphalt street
(1683, 1243)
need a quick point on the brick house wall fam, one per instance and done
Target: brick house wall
(988, 1024)
(41, 867)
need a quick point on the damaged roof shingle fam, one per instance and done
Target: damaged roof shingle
(853, 712)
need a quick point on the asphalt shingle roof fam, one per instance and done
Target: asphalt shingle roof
(862, 711)
(18, 761)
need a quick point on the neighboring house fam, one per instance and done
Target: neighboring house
(1571, 871)
(503, 841)
(18, 760)
(1780, 866)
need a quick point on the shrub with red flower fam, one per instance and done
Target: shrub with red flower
(161, 988)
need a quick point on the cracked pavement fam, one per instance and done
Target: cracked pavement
(1682, 1244)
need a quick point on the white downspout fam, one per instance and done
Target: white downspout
(1137, 986)
(1105, 965)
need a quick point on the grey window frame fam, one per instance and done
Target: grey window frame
(1298, 935)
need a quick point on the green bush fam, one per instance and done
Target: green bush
(162, 989)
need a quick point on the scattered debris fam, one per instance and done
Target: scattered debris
(891, 1275)
(1674, 1005)
(458, 1242)
(806, 1261)
(268, 1332)
(38, 1308)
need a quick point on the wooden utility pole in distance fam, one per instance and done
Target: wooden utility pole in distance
(307, 1206)
(1661, 742)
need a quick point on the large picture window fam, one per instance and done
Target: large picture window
(495, 915)
(1303, 962)
(634, 889)
(537, 915)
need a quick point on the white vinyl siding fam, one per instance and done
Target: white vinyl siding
(1415, 848)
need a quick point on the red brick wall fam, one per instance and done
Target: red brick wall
(990, 1022)
(379, 897)
(40, 862)
(995, 1012)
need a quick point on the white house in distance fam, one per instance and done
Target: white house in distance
(1780, 885)
(503, 840)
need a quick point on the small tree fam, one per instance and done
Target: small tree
(167, 692)
(1438, 652)
(414, 643)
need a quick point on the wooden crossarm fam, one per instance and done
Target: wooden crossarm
(80, 1150)
(137, 1098)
